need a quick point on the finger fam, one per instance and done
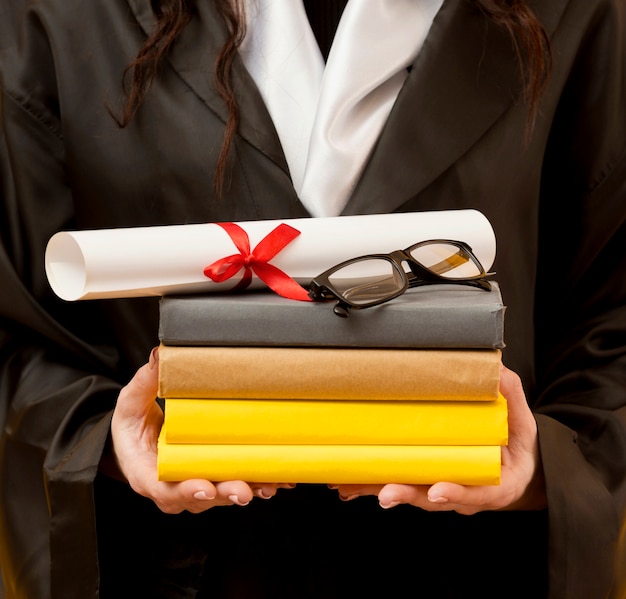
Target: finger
(140, 392)
(520, 415)
(269, 490)
(194, 496)
(440, 497)
(350, 492)
(522, 423)
(510, 383)
(198, 495)
(264, 490)
(135, 425)
(234, 491)
(286, 485)
(467, 499)
(395, 494)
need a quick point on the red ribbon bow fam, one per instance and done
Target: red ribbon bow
(258, 261)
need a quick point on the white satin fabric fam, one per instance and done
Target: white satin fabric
(328, 117)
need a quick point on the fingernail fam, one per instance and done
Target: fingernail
(237, 501)
(262, 493)
(154, 356)
(348, 497)
(388, 505)
(434, 498)
(202, 496)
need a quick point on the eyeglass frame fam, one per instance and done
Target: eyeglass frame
(321, 289)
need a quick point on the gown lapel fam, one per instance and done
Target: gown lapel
(193, 57)
(463, 80)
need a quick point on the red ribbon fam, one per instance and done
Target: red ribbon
(258, 261)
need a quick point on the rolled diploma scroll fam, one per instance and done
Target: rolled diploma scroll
(161, 260)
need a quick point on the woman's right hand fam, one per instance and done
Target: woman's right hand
(135, 427)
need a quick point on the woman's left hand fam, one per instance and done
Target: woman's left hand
(522, 484)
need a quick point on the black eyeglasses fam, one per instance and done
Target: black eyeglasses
(377, 278)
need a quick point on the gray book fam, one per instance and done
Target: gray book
(433, 316)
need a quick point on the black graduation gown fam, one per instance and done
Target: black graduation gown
(455, 139)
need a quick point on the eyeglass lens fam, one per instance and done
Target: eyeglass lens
(446, 260)
(368, 280)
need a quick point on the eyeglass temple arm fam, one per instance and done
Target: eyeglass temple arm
(415, 281)
(449, 263)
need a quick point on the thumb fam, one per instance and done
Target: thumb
(510, 384)
(522, 423)
(139, 394)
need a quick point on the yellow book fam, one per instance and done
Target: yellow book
(328, 373)
(340, 464)
(336, 422)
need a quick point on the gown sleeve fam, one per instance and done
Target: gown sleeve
(61, 367)
(580, 314)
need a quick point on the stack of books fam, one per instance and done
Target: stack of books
(265, 389)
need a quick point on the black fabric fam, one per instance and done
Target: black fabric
(302, 545)
(455, 139)
(324, 16)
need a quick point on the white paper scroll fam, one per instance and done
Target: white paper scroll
(161, 260)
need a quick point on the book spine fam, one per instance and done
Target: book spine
(201, 321)
(338, 464)
(328, 373)
(302, 422)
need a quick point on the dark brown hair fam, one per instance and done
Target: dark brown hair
(531, 44)
(527, 34)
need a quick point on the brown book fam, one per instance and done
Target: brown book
(328, 373)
